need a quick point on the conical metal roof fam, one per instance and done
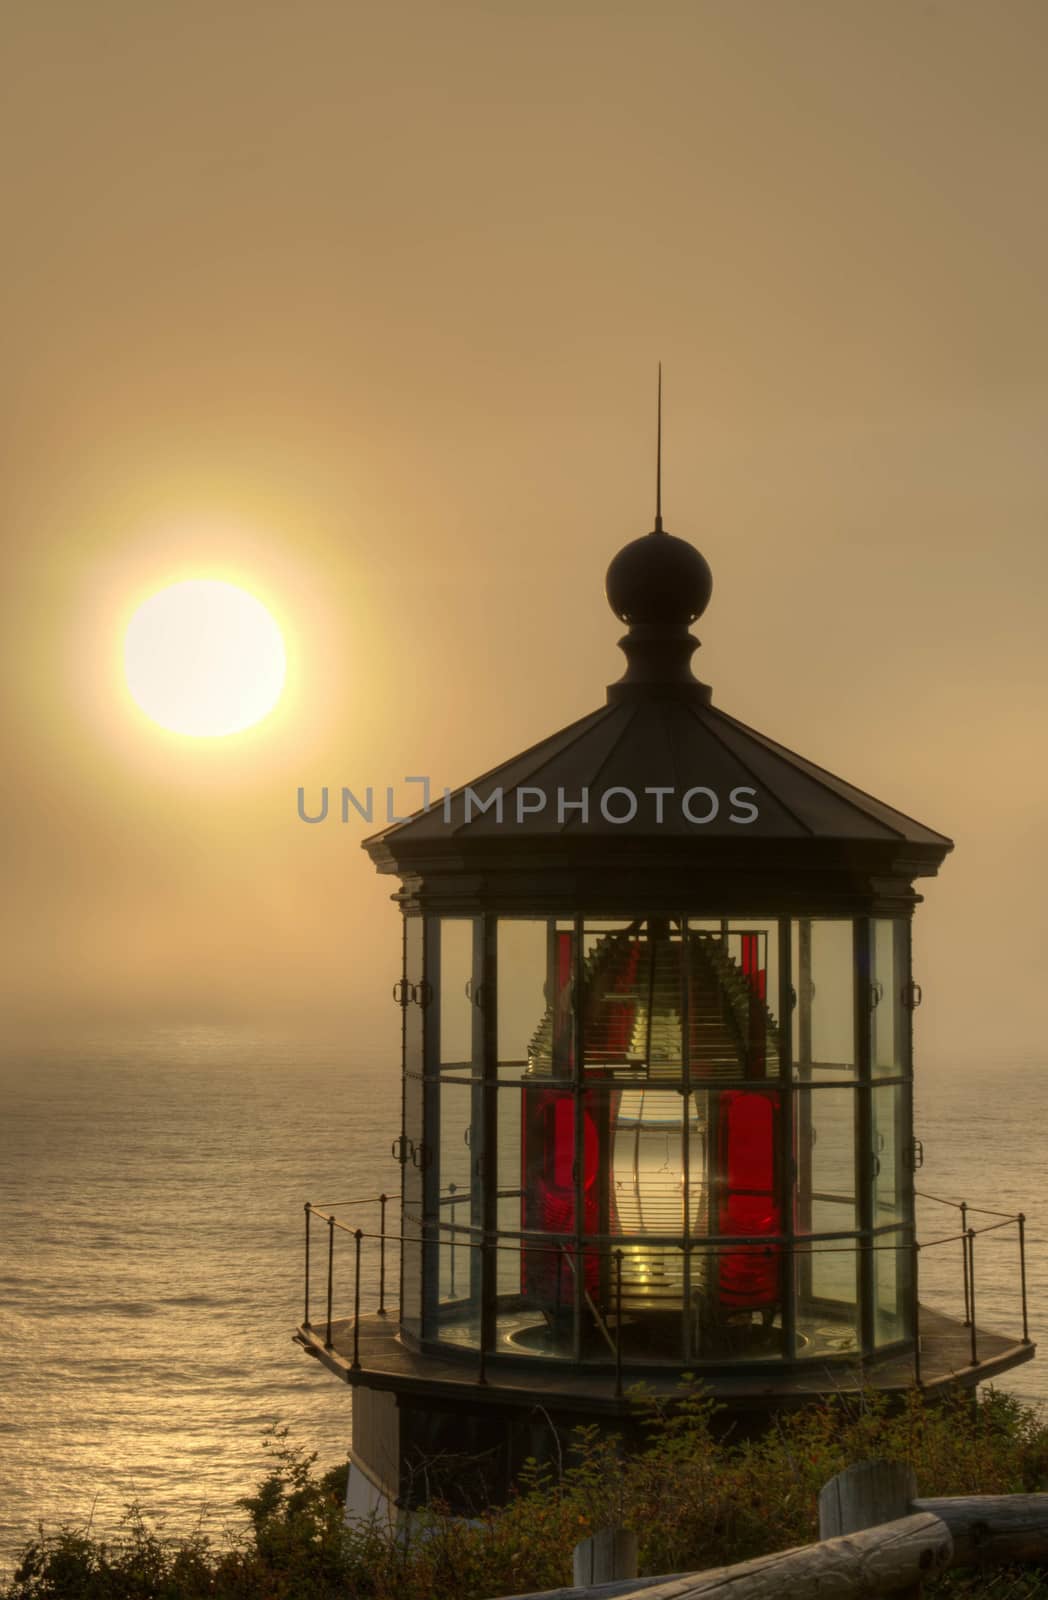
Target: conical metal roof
(660, 778)
(641, 747)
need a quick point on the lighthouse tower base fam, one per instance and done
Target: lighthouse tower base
(426, 1430)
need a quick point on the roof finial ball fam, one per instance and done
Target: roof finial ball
(659, 579)
(659, 585)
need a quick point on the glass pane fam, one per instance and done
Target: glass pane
(460, 1211)
(535, 1310)
(535, 1302)
(541, 1319)
(888, 980)
(823, 983)
(647, 1156)
(752, 947)
(456, 1006)
(538, 1193)
(616, 1175)
(825, 1159)
(729, 1151)
(459, 1269)
(509, 1263)
(737, 1292)
(639, 979)
(549, 1158)
(732, 976)
(696, 1146)
(890, 1140)
(526, 949)
(642, 1305)
(510, 1152)
(535, 1295)
(735, 1300)
(461, 1144)
(632, 999)
(544, 1035)
(827, 1282)
(892, 1269)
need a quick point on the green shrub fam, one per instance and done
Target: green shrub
(695, 1499)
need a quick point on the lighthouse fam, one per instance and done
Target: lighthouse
(657, 1113)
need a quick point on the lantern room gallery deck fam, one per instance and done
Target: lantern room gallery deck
(385, 1362)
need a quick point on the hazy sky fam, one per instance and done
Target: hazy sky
(361, 305)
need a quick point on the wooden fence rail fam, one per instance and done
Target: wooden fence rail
(877, 1539)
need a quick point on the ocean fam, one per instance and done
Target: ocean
(151, 1193)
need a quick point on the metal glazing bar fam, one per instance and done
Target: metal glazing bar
(598, 1320)
(489, 1105)
(382, 1200)
(964, 1254)
(971, 1293)
(1021, 1220)
(788, 1171)
(331, 1277)
(357, 1237)
(865, 1166)
(453, 1244)
(305, 1314)
(916, 1250)
(618, 1324)
(578, 1026)
(684, 980)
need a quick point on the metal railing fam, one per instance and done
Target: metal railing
(966, 1237)
(327, 1214)
(565, 1252)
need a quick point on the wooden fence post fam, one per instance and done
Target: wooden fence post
(610, 1553)
(863, 1497)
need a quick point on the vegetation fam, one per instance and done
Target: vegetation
(695, 1502)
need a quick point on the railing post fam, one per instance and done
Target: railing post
(357, 1238)
(305, 1314)
(618, 1324)
(382, 1199)
(1021, 1220)
(865, 1496)
(918, 1381)
(964, 1258)
(605, 1557)
(482, 1370)
(971, 1292)
(452, 1242)
(331, 1275)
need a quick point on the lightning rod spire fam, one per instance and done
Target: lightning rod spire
(658, 462)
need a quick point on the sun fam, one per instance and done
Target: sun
(204, 658)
